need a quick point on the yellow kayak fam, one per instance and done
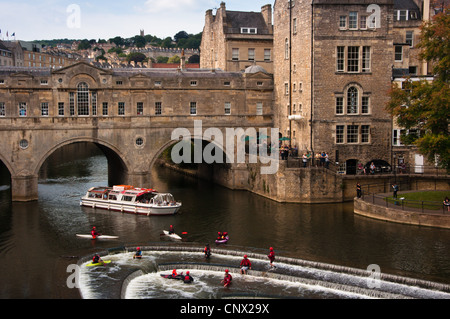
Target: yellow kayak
(98, 264)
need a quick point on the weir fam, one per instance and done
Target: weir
(346, 281)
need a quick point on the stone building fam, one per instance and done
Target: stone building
(409, 16)
(6, 56)
(332, 73)
(82, 90)
(235, 40)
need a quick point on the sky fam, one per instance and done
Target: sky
(102, 19)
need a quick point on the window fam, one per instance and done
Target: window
(340, 59)
(352, 134)
(339, 134)
(294, 26)
(409, 38)
(94, 103)
(72, 104)
(227, 108)
(193, 108)
(158, 83)
(353, 59)
(340, 105)
(251, 54)
(396, 137)
(121, 108)
(363, 22)
(352, 100)
(227, 83)
(235, 54)
(366, 59)
(194, 83)
(105, 109)
(44, 82)
(267, 55)
(286, 88)
(140, 108)
(249, 30)
(2, 109)
(365, 133)
(44, 109)
(353, 20)
(22, 109)
(60, 108)
(342, 22)
(83, 99)
(119, 82)
(158, 108)
(365, 105)
(259, 108)
(398, 53)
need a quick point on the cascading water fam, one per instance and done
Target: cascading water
(128, 278)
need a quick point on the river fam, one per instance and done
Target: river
(38, 239)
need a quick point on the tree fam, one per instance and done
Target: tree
(139, 41)
(136, 57)
(174, 59)
(425, 105)
(181, 35)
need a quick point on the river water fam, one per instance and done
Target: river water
(38, 240)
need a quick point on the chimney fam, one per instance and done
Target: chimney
(183, 61)
(266, 12)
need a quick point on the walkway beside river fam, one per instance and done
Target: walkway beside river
(385, 207)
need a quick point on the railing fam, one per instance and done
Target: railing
(402, 203)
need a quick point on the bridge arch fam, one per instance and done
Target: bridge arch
(204, 141)
(117, 161)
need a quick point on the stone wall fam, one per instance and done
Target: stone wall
(370, 210)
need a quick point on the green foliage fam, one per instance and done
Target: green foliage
(136, 57)
(425, 105)
(174, 59)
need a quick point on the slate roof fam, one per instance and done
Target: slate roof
(405, 5)
(238, 19)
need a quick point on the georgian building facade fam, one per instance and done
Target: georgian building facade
(235, 40)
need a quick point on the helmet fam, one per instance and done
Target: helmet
(271, 248)
(226, 270)
(245, 256)
(187, 272)
(139, 248)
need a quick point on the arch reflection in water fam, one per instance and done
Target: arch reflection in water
(292, 278)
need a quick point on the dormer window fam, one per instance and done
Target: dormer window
(249, 30)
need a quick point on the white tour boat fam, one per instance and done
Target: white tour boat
(128, 199)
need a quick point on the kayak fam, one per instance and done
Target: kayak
(173, 236)
(98, 237)
(98, 264)
(180, 277)
(222, 241)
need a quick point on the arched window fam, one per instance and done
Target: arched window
(83, 99)
(352, 100)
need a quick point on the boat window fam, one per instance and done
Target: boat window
(127, 198)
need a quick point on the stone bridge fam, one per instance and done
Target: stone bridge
(130, 114)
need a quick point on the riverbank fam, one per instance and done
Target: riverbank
(393, 211)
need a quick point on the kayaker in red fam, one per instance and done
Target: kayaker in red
(188, 278)
(271, 256)
(94, 233)
(171, 230)
(245, 265)
(227, 279)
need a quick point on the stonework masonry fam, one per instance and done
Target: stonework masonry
(129, 113)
